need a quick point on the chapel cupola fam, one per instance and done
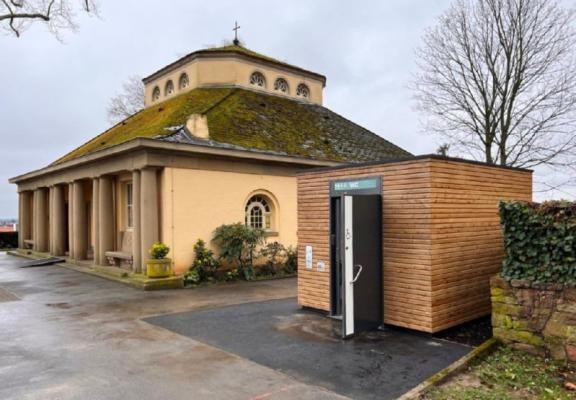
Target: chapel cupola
(233, 66)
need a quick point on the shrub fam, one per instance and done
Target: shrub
(237, 244)
(8, 240)
(158, 251)
(204, 262)
(291, 264)
(232, 274)
(540, 241)
(275, 254)
(191, 276)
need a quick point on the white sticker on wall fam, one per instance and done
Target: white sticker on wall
(308, 257)
(320, 267)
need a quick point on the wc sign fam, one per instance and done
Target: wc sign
(372, 185)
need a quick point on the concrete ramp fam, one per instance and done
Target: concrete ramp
(41, 262)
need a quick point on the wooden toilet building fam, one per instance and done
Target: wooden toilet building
(409, 243)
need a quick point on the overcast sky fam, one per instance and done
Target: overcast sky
(53, 95)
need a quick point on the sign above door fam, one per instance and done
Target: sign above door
(370, 185)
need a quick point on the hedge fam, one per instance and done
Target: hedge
(539, 241)
(8, 240)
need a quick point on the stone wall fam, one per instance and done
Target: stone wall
(538, 318)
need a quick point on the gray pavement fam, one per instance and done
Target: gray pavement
(377, 365)
(67, 335)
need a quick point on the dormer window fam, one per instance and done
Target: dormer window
(257, 79)
(169, 89)
(184, 81)
(156, 94)
(281, 85)
(303, 91)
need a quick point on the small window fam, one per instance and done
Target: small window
(129, 199)
(303, 91)
(156, 94)
(281, 85)
(184, 81)
(257, 79)
(258, 213)
(169, 89)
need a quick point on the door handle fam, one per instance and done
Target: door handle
(357, 273)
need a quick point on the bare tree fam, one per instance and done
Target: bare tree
(443, 150)
(127, 103)
(58, 15)
(498, 81)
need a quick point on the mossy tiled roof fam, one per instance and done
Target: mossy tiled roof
(256, 121)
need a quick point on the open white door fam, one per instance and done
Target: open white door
(348, 267)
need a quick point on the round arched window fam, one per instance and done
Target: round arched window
(169, 89)
(258, 212)
(280, 85)
(156, 94)
(184, 81)
(257, 79)
(303, 91)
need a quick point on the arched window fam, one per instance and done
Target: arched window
(184, 81)
(280, 85)
(257, 79)
(156, 94)
(258, 212)
(169, 89)
(303, 91)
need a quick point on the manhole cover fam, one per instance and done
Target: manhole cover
(6, 295)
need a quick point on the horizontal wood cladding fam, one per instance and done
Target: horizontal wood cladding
(441, 237)
(407, 194)
(462, 266)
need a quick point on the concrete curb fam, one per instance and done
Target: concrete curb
(451, 370)
(132, 281)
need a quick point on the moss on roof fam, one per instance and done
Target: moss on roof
(253, 120)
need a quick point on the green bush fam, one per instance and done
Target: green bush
(8, 240)
(159, 251)
(539, 241)
(291, 263)
(191, 277)
(204, 266)
(237, 244)
(275, 254)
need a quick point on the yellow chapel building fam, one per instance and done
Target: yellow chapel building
(222, 136)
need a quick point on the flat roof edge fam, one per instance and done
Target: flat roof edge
(412, 158)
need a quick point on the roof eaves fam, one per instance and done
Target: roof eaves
(207, 53)
(150, 143)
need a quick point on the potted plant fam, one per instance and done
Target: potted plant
(159, 266)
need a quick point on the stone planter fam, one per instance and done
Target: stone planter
(159, 268)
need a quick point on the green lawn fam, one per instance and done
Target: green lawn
(508, 374)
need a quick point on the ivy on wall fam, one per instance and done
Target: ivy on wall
(539, 241)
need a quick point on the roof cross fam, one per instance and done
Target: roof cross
(235, 29)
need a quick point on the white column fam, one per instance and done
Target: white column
(58, 221)
(137, 228)
(23, 218)
(96, 221)
(79, 222)
(41, 219)
(70, 220)
(106, 216)
(149, 229)
(51, 219)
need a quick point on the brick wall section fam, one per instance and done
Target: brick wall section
(538, 318)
